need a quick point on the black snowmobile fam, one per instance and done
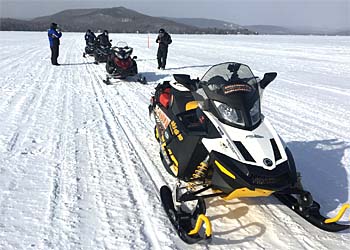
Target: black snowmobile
(89, 49)
(215, 141)
(101, 53)
(121, 65)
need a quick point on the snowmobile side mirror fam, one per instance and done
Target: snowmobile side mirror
(268, 77)
(182, 78)
(134, 57)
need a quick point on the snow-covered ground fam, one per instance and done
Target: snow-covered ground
(79, 168)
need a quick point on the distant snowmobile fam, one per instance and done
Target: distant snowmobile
(121, 65)
(101, 53)
(215, 141)
(89, 49)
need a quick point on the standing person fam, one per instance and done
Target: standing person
(54, 35)
(163, 40)
(90, 37)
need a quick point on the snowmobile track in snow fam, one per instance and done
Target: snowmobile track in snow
(138, 195)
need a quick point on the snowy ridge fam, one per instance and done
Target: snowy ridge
(80, 168)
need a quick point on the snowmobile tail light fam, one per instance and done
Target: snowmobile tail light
(224, 170)
(339, 215)
(230, 114)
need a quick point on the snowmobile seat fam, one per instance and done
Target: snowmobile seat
(182, 101)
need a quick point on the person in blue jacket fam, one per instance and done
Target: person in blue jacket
(54, 35)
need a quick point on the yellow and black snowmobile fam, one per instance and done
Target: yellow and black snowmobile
(215, 141)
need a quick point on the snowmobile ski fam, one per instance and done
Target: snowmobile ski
(107, 81)
(310, 213)
(183, 221)
(142, 79)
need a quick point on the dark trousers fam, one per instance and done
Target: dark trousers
(161, 56)
(54, 54)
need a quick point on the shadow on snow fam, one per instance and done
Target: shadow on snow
(70, 64)
(323, 170)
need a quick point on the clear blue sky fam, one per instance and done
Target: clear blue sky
(324, 14)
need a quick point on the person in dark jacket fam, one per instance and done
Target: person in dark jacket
(90, 37)
(54, 35)
(103, 39)
(163, 40)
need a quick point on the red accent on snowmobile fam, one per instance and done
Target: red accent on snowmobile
(164, 97)
(124, 64)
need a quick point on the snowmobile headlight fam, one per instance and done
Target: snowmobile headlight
(255, 112)
(119, 56)
(230, 114)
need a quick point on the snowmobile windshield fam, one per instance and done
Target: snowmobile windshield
(232, 90)
(229, 73)
(121, 44)
(122, 50)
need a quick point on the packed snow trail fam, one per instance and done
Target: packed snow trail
(80, 168)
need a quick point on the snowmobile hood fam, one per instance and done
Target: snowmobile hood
(260, 147)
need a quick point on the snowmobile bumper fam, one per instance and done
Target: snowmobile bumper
(230, 175)
(189, 226)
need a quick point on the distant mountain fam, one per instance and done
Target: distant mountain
(117, 20)
(212, 24)
(269, 29)
(342, 33)
(204, 23)
(14, 24)
(278, 30)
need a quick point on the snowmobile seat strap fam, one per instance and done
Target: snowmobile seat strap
(339, 215)
(200, 220)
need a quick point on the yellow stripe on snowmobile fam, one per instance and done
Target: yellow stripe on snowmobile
(202, 218)
(157, 134)
(162, 138)
(339, 215)
(175, 166)
(172, 156)
(191, 105)
(224, 170)
(245, 192)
